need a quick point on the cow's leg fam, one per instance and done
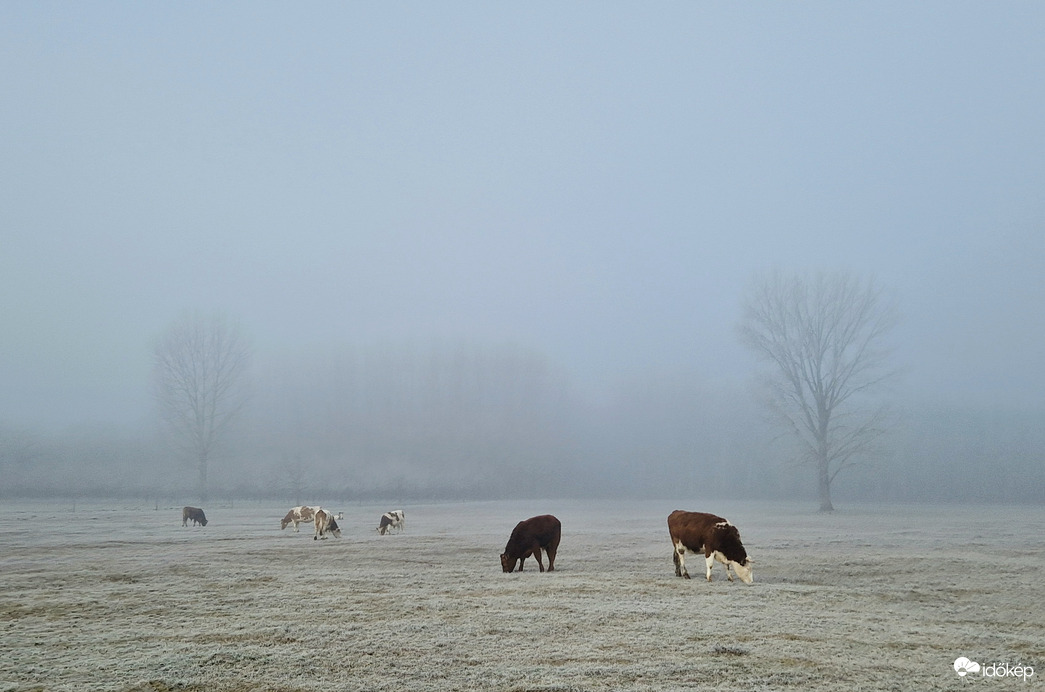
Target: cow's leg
(680, 560)
(716, 555)
(709, 559)
(551, 550)
(537, 557)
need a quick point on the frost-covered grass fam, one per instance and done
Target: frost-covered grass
(124, 598)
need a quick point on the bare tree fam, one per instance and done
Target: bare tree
(824, 336)
(200, 368)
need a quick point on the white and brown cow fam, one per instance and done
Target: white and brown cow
(298, 515)
(528, 537)
(396, 519)
(712, 535)
(325, 523)
(195, 514)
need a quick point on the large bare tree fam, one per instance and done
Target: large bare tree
(200, 369)
(823, 334)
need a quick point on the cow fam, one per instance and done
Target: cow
(528, 537)
(194, 513)
(712, 535)
(298, 515)
(396, 519)
(325, 523)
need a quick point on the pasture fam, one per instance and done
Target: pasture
(122, 597)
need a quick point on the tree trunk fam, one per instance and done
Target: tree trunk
(823, 458)
(203, 477)
(824, 484)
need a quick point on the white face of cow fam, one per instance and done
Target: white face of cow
(744, 571)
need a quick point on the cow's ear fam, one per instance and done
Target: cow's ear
(749, 561)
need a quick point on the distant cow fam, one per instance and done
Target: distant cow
(528, 537)
(194, 513)
(712, 535)
(396, 519)
(298, 515)
(325, 523)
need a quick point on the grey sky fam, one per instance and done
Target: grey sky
(596, 181)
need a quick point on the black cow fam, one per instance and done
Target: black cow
(193, 513)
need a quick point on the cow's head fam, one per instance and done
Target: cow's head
(744, 570)
(507, 563)
(333, 528)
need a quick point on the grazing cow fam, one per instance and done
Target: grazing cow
(325, 523)
(712, 535)
(528, 537)
(194, 513)
(396, 519)
(298, 515)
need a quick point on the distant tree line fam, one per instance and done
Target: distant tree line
(461, 421)
(655, 438)
(454, 419)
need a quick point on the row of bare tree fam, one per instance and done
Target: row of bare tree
(665, 437)
(460, 420)
(823, 336)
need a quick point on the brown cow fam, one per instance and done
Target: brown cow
(528, 538)
(712, 535)
(194, 513)
(325, 523)
(298, 515)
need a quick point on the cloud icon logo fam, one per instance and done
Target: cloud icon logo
(963, 666)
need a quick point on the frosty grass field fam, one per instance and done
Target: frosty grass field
(121, 597)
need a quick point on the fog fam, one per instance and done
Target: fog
(485, 251)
